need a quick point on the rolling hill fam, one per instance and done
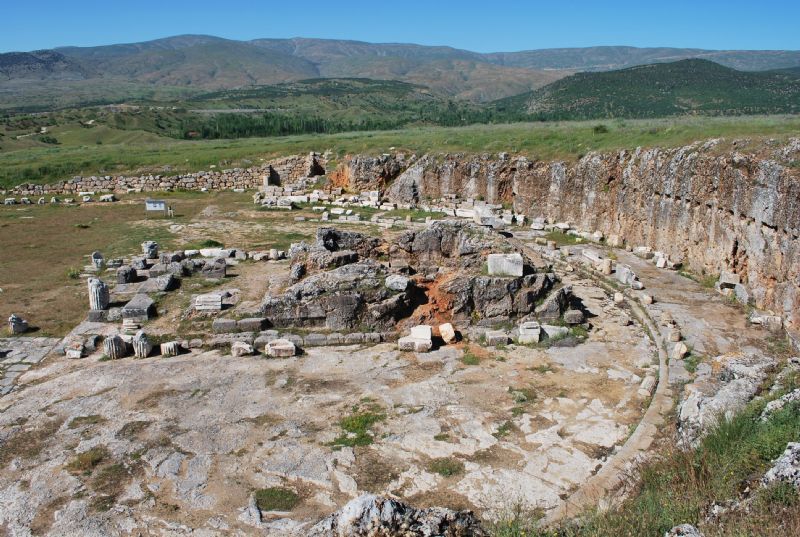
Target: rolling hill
(659, 90)
(190, 64)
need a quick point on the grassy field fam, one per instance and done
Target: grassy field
(44, 247)
(106, 152)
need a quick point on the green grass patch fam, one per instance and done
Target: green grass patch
(469, 357)
(446, 467)
(357, 426)
(563, 239)
(87, 461)
(276, 499)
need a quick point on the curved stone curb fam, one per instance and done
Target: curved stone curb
(615, 471)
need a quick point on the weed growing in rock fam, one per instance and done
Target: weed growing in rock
(357, 426)
(88, 460)
(446, 467)
(276, 499)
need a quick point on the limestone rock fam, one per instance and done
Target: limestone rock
(241, 348)
(573, 317)
(140, 308)
(684, 530)
(215, 269)
(679, 351)
(787, 468)
(397, 282)
(150, 249)
(505, 264)
(555, 331)
(778, 404)
(374, 516)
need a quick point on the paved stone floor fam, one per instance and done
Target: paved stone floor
(18, 354)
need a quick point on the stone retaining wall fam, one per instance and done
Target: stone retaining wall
(278, 171)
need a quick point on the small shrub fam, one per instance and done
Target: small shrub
(446, 467)
(600, 129)
(87, 461)
(276, 499)
(73, 273)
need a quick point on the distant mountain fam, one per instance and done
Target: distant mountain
(613, 58)
(661, 89)
(214, 63)
(40, 64)
(190, 64)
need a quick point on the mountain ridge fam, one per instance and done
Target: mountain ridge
(206, 63)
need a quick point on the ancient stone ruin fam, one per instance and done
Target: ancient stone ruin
(454, 335)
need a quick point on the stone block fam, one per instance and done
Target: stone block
(140, 308)
(447, 332)
(410, 343)
(251, 324)
(224, 326)
(315, 340)
(505, 264)
(529, 332)
(208, 302)
(354, 338)
(552, 331)
(728, 280)
(280, 348)
(496, 337)
(741, 293)
(573, 317)
(215, 269)
(421, 331)
(679, 351)
(97, 316)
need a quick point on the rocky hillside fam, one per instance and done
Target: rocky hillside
(737, 212)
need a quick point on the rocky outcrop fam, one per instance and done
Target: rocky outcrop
(447, 243)
(363, 173)
(720, 390)
(787, 468)
(340, 299)
(437, 274)
(374, 516)
(734, 211)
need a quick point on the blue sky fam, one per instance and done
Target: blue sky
(483, 26)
